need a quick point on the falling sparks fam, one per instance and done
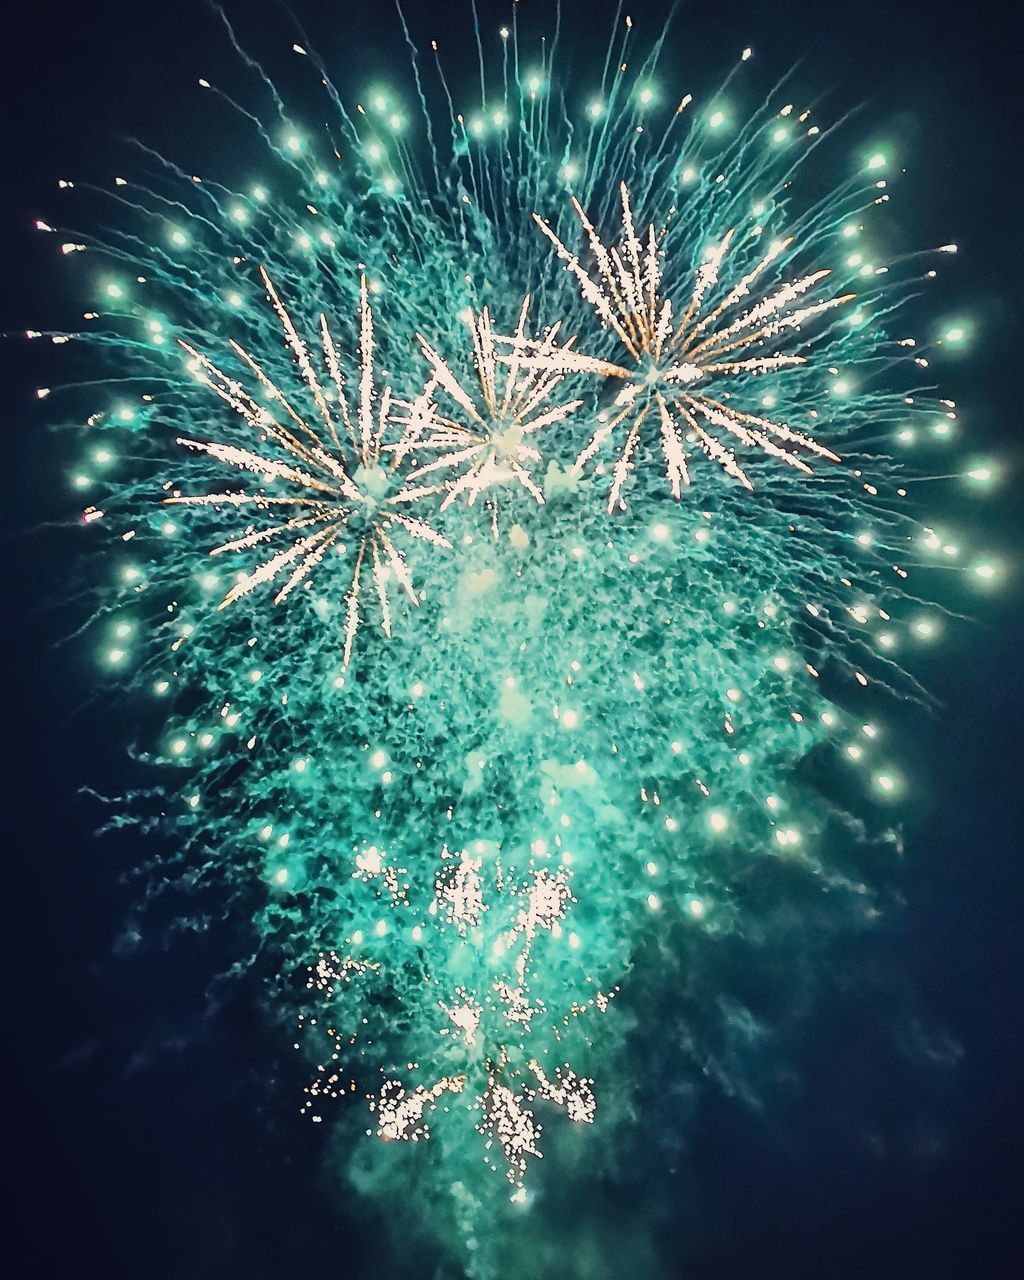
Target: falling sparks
(458, 888)
(399, 1111)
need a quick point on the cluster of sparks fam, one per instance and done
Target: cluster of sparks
(536, 905)
(350, 482)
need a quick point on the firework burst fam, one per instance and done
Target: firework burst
(487, 438)
(341, 495)
(672, 359)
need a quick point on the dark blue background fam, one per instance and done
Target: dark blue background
(151, 1134)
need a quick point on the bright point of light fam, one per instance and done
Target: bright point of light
(983, 473)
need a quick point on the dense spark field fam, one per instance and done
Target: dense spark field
(490, 699)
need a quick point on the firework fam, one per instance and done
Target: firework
(341, 492)
(477, 832)
(669, 358)
(490, 444)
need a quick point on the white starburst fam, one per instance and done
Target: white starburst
(338, 492)
(486, 438)
(671, 361)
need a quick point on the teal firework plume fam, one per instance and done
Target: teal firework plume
(503, 515)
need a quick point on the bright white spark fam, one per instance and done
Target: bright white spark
(339, 493)
(670, 358)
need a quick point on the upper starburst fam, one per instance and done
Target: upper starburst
(672, 360)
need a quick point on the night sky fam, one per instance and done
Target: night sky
(147, 1134)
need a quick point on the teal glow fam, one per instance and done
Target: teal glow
(475, 847)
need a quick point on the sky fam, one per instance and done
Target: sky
(129, 1160)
